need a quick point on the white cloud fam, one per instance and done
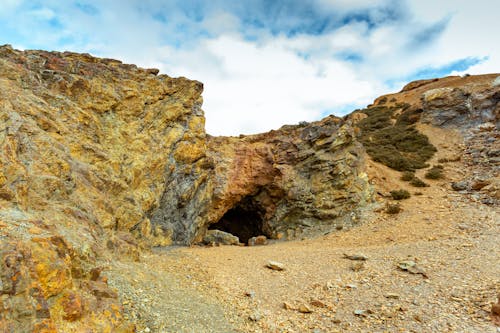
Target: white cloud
(260, 87)
(42, 14)
(259, 83)
(8, 6)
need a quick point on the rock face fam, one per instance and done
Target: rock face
(461, 106)
(99, 159)
(87, 149)
(274, 183)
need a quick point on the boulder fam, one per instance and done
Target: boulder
(220, 237)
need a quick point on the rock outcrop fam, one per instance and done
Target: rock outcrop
(276, 184)
(88, 147)
(100, 159)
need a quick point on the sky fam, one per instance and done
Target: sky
(266, 63)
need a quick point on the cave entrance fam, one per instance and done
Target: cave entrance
(245, 220)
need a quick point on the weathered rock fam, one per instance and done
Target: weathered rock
(417, 84)
(86, 146)
(462, 107)
(478, 184)
(275, 266)
(360, 257)
(460, 186)
(412, 267)
(295, 178)
(259, 240)
(304, 308)
(318, 303)
(72, 306)
(220, 237)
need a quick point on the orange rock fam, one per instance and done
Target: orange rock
(35, 231)
(318, 303)
(45, 326)
(72, 306)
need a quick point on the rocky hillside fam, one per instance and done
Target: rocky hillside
(102, 160)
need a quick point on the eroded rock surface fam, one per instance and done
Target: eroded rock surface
(88, 147)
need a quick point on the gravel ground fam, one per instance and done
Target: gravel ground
(219, 289)
(451, 238)
(158, 299)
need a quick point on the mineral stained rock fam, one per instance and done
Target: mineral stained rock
(99, 159)
(87, 148)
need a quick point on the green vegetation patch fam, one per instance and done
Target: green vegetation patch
(417, 182)
(393, 208)
(394, 141)
(407, 176)
(436, 172)
(400, 194)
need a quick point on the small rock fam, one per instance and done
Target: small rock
(392, 295)
(351, 286)
(460, 186)
(487, 127)
(274, 265)
(220, 237)
(361, 313)
(318, 303)
(147, 330)
(411, 267)
(304, 308)
(360, 257)
(256, 316)
(250, 294)
(259, 240)
(478, 184)
(329, 285)
(287, 306)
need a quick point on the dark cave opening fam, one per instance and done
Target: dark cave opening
(244, 221)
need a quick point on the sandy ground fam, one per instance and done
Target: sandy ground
(453, 240)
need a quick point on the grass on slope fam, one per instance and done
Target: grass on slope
(393, 140)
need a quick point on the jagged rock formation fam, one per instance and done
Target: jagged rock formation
(88, 146)
(100, 158)
(275, 184)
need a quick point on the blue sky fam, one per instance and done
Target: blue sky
(266, 63)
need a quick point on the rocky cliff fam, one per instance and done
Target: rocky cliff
(101, 159)
(88, 148)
